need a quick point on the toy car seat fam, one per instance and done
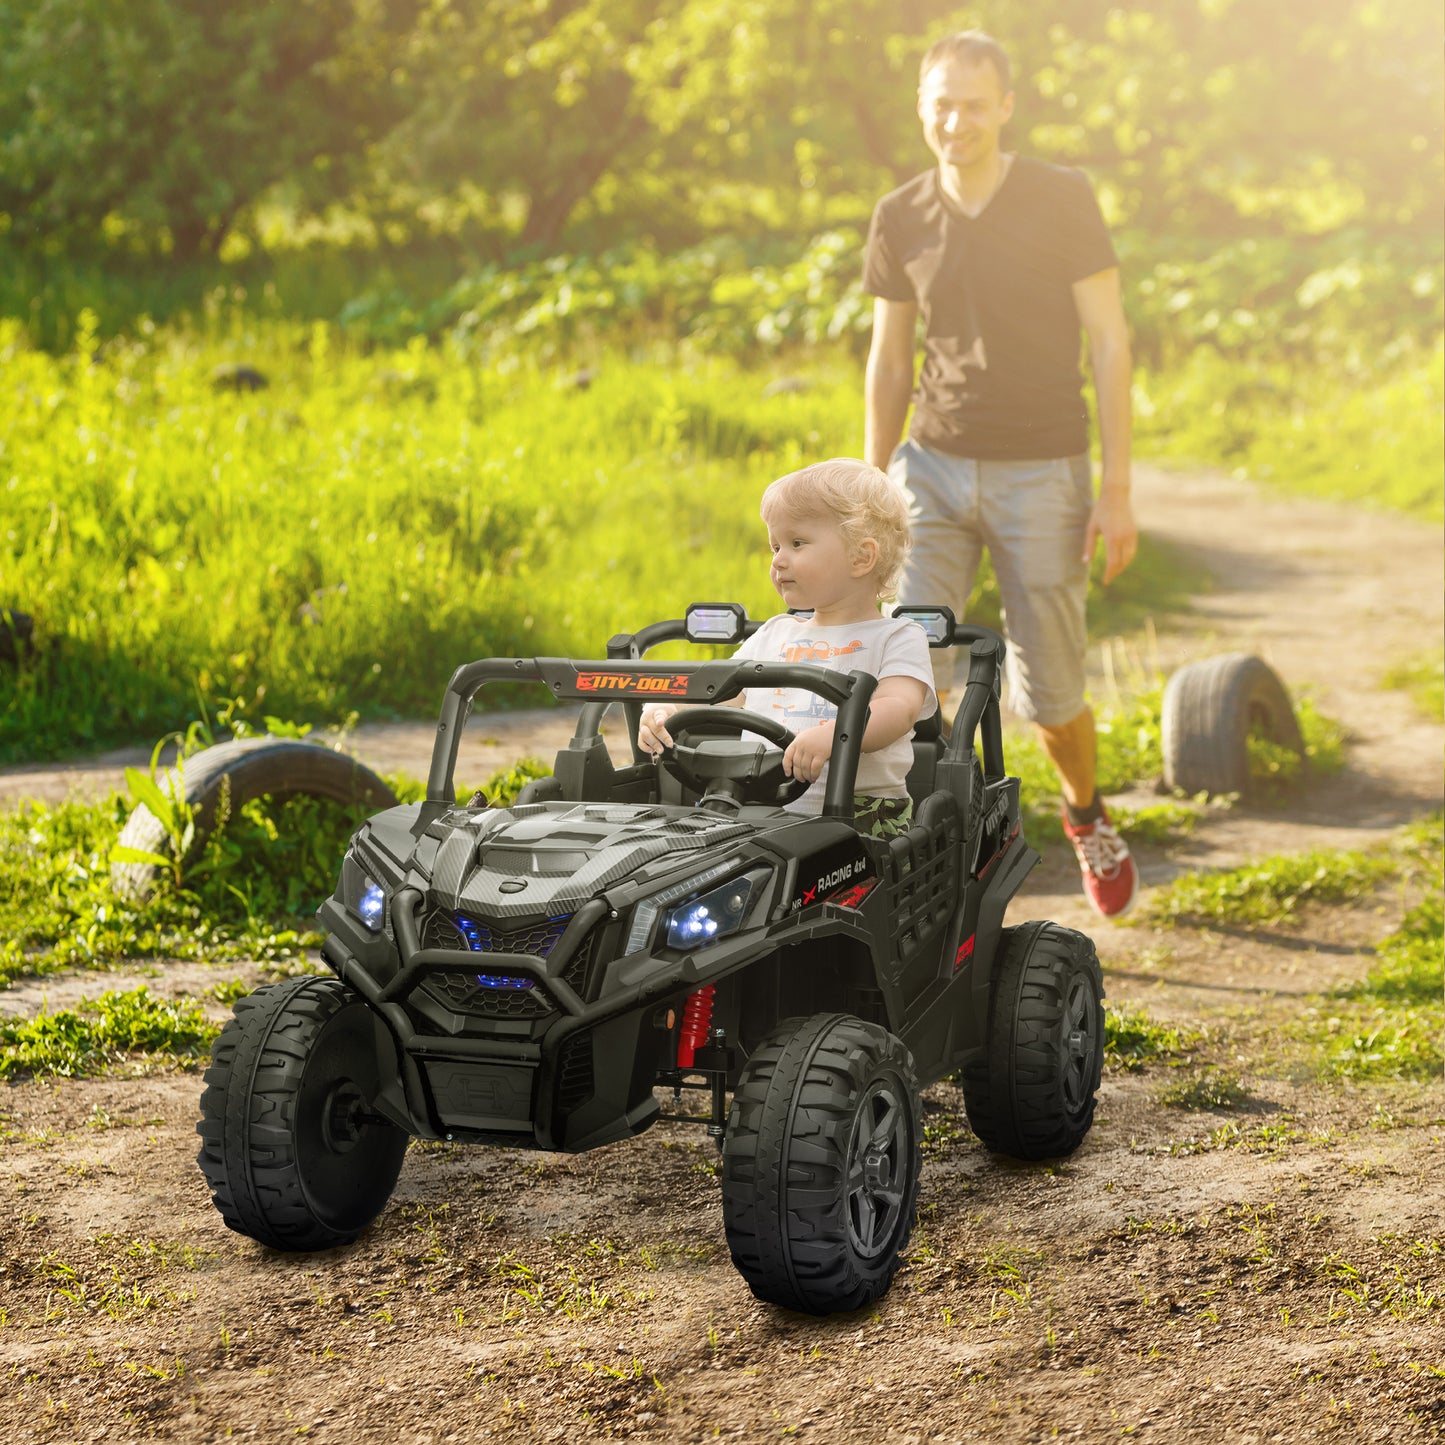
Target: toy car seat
(928, 748)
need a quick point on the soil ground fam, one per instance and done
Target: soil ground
(1271, 1272)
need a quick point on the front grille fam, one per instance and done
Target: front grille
(466, 992)
(446, 930)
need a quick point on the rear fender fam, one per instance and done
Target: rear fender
(1002, 879)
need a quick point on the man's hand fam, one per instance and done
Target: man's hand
(1113, 520)
(805, 755)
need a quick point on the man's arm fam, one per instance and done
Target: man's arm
(888, 381)
(1101, 310)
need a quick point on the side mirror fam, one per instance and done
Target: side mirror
(937, 623)
(717, 622)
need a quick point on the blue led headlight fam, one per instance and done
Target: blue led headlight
(714, 915)
(363, 895)
(371, 905)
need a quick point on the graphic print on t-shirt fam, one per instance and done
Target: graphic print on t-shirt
(806, 651)
(809, 707)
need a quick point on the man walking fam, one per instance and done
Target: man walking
(1006, 258)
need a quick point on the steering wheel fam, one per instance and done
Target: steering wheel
(757, 775)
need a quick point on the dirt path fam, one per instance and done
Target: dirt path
(1275, 1272)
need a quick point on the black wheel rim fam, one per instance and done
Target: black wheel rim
(1080, 1044)
(346, 1156)
(880, 1154)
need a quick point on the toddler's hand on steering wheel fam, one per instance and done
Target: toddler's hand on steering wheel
(808, 752)
(652, 733)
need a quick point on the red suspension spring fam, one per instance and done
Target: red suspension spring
(696, 1017)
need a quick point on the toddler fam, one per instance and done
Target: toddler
(839, 534)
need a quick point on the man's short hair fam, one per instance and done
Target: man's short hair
(973, 47)
(860, 500)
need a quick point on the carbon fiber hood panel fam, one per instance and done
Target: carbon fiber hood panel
(552, 857)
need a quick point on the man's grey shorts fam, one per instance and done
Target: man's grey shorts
(1032, 517)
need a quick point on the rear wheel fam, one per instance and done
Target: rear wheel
(294, 1154)
(821, 1164)
(1032, 1092)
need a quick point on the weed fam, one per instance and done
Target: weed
(1133, 1040)
(1269, 889)
(1423, 677)
(1158, 824)
(249, 893)
(1387, 1025)
(939, 1132)
(1210, 1089)
(117, 1027)
(1273, 1138)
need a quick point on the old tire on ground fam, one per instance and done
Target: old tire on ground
(1031, 1094)
(290, 1147)
(239, 771)
(821, 1164)
(1210, 710)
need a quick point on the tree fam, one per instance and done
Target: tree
(169, 117)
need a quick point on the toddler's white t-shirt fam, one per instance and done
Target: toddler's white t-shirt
(884, 646)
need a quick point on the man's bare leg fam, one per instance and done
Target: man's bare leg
(1072, 750)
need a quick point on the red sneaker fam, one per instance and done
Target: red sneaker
(1111, 881)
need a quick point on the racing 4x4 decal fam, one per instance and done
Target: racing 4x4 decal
(826, 872)
(673, 685)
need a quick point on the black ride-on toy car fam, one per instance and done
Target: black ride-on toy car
(535, 976)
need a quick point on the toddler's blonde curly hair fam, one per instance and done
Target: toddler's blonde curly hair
(860, 499)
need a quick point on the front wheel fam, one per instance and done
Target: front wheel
(290, 1146)
(821, 1164)
(1031, 1094)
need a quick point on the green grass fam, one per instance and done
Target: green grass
(1364, 440)
(1269, 889)
(58, 910)
(1275, 771)
(1133, 1040)
(251, 892)
(117, 1028)
(1423, 677)
(1210, 1089)
(341, 540)
(1388, 1024)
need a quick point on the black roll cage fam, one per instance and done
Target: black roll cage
(630, 681)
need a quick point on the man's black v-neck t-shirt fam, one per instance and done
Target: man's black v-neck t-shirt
(1000, 374)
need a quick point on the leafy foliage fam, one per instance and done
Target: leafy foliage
(1133, 1039)
(250, 893)
(1209, 1089)
(515, 123)
(1270, 889)
(162, 120)
(57, 907)
(418, 509)
(116, 1027)
(1387, 1025)
(1423, 677)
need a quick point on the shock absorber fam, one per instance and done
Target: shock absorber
(696, 1018)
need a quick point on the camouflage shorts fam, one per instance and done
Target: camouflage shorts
(881, 817)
